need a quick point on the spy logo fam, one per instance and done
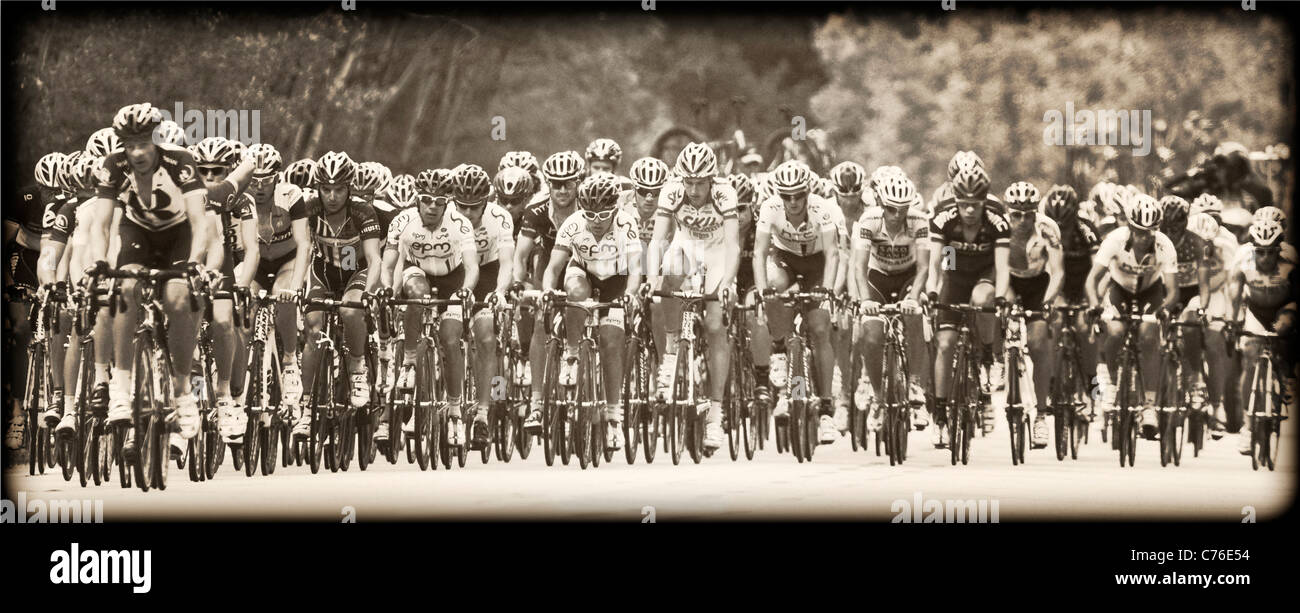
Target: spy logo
(47, 219)
(187, 173)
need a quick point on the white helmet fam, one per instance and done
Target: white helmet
(1143, 212)
(696, 160)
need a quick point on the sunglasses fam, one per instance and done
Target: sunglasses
(645, 193)
(1268, 250)
(262, 181)
(601, 216)
(561, 184)
(427, 199)
(969, 203)
(471, 205)
(793, 197)
(1014, 214)
(849, 194)
(211, 170)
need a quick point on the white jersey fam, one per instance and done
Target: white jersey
(804, 239)
(604, 256)
(699, 222)
(896, 253)
(437, 251)
(495, 232)
(1116, 253)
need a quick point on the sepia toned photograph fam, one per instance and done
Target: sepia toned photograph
(648, 262)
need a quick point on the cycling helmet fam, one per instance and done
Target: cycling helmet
(1270, 213)
(743, 186)
(79, 174)
(604, 149)
(1203, 226)
(961, 160)
(1209, 204)
(1061, 203)
(1266, 232)
(896, 191)
(171, 133)
(333, 168)
(513, 184)
(970, 182)
(136, 120)
(401, 191)
(471, 184)
(266, 160)
(433, 181)
(598, 192)
(299, 173)
(1174, 212)
(47, 169)
(884, 172)
(696, 160)
(214, 150)
(1143, 212)
(563, 166)
(520, 159)
(1021, 196)
(821, 186)
(791, 178)
(103, 142)
(369, 178)
(848, 177)
(649, 173)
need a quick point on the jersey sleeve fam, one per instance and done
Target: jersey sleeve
(1109, 248)
(568, 230)
(724, 198)
(1166, 255)
(1001, 228)
(861, 236)
(395, 229)
(462, 235)
(187, 172)
(61, 226)
(367, 224)
(533, 223)
(766, 216)
(505, 230)
(27, 200)
(109, 177)
(670, 197)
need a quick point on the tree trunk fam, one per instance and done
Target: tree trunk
(351, 52)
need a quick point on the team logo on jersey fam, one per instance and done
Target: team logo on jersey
(61, 223)
(187, 173)
(999, 222)
(48, 218)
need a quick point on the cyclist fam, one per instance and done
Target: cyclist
(603, 155)
(563, 171)
(494, 240)
(649, 175)
(699, 208)
(299, 173)
(233, 221)
(599, 253)
(1267, 213)
(1206, 221)
(346, 237)
(527, 161)
(23, 227)
(797, 243)
(103, 142)
(431, 253)
(1262, 283)
(976, 235)
(1194, 256)
(1037, 271)
(846, 183)
(890, 264)
(1143, 265)
(161, 228)
(760, 342)
(386, 196)
(1079, 242)
(284, 255)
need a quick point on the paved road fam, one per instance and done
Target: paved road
(839, 484)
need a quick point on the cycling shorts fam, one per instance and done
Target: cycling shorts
(22, 266)
(270, 268)
(683, 257)
(603, 290)
(487, 283)
(444, 286)
(1150, 298)
(157, 249)
(957, 289)
(1076, 274)
(806, 270)
(887, 288)
(1031, 291)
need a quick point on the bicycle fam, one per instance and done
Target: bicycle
(514, 365)
(1173, 399)
(267, 425)
(428, 402)
(1123, 419)
(798, 432)
(93, 440)
(331, 414)
(683, 421)
(965, 399)
(1019, 373)
(586, 398)
(205, 451)
(1267, 411)
(509, 403)
(639, 418)
(37, 438)
(744, 419)
(897, 418)
(1068, 393)
(143, 443)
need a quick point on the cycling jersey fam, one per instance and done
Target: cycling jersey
(605, 256)
(1116, 252)
(338, 250)
(33, 215)
(700, 222)
(436, 251)
(890, 253)
(231, 209)
(1193, 252)
(539, 223)
(494, 233)
(805, 239)
(645, 224)
(275, 220)
(384, 213)
(162, 205)
(944, 198)
(1029, 255)
(975, 254)
(66, 220)
(1265, 292)
(1222, 247)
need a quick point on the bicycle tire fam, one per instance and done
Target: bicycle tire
(582, 434)
(125, 472)
(194, 457)
(32, 398)
(956, 399)
(322, 392)
(252, 448)
(142, 376)
(1272, 436)
(632, 399)
(1256, 442)
(552, 430)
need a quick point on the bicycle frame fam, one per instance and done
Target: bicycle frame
(1264, 405)
(965, 401)
(804, 400)
(1124, 423)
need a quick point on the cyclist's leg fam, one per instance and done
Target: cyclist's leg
(719, 355)
(182, 323)
(1216, 354)
(611, 354)
(485, 338)
(956, 289)
(280, 275)
(313, 325)
(357, 340)
(760, 350)
(780, 321)
(576, 287)
(1248, 351)
(1193, 340)
(134, 255)
(224, 339)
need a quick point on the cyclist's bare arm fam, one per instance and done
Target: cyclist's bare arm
(389, 263)
(469, 259)
(1171, 296)
(114, 238)
(861, 264)
(196, 211)
(555, 268)
(216, 252)
(1001, 270)
(302, 257)
(1056, 275)
(831, 249)
(505, 270)
(373, 259)
(657, 245)
(1236, 284)
(1090, 285)
(936, 258)
(731, 235)
(922, 270)
(102, 211)
(47, 268)
(252, 252)
(522, 252)
(762, 242)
